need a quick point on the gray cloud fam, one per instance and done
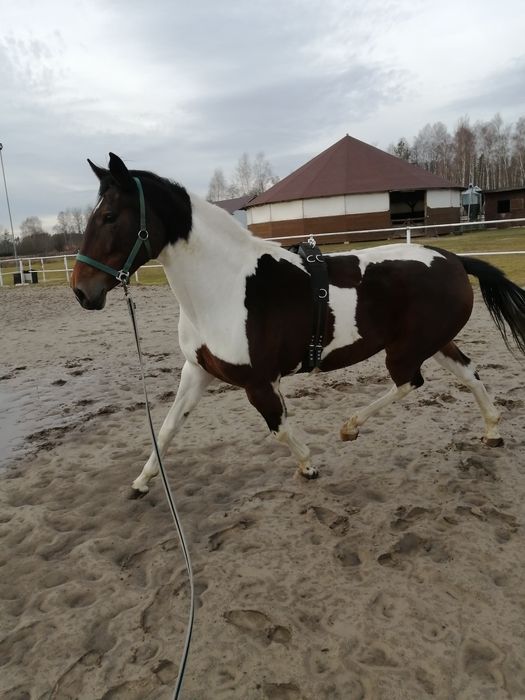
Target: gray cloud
(184, 88)
(498, 90)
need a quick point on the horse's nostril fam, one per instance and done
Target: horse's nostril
(80, 295)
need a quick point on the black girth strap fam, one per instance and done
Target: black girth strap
(318, 269)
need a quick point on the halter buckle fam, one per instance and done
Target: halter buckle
(144, 236)
(122, 277)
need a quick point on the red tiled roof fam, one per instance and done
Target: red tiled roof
(351, 167)
(233, 205)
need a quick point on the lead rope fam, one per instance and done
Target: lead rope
(171, 504)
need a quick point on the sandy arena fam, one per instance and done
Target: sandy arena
(397, 575)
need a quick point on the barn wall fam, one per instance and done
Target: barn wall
(365, 203)
(325, 224)
(443, 199)
(343, 214)
(319, 207)
(443, 215)
(516, 199)
(324, 206)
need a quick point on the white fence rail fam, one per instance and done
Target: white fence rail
(21, 269)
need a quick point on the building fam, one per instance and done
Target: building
(236, 207)
(505, 204)
(350, 187)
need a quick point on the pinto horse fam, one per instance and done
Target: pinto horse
(246, 308)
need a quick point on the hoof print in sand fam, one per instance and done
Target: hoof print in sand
(258, 626)
(346, 554)
(482, 659)
(404, 517)
(338, 524)
(409, 546)
(282, 691)
(218, 539)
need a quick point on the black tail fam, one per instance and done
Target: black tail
(504, 299)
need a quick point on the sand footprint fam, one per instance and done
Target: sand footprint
(483, 659)
(409, 545)
(338, 524)
(258, 626)
(282, 691)
(404, 516)
(219, 538)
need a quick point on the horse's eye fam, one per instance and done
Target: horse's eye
(109, 218)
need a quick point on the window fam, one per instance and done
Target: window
(503, 206)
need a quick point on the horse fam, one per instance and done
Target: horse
(247, 311)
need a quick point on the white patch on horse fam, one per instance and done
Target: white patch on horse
(208, 274)
(343, 303)
(394, 252)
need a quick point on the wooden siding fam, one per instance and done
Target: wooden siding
(325, 224)
(445, 215)
(342, 226)
(516, 209)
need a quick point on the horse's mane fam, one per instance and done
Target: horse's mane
(170, 201)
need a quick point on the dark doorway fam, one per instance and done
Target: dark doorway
(407, 208)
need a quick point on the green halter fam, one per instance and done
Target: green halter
(142, 239)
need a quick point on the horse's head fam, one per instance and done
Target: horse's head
(137, 215)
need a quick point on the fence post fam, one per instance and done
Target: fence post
(43, 270)
(1, 278)
(66, 268)
(21, 268)
(409, 239)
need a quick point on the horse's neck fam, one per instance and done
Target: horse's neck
(216, 258)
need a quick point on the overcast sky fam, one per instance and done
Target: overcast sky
(182, 88)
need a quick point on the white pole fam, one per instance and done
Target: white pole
(1, 278)
(66, 267)
(43, 270)
(408, 235)
(8, 204)
(21, 268)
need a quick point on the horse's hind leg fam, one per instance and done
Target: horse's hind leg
(267, 399)
(406, 374)
(450, 357)
(193, 382)
(350, 428)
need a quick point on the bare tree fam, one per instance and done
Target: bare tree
(243, 176)
(490, 154)
(401, 149)
(248, 178)
(31, 226)
(218, 188)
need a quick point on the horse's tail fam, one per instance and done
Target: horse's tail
(504, 299)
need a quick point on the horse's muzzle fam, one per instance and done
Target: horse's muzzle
(92, 303)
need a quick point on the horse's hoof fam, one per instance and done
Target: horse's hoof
(309, 473)
(347, 435)
(492, 442)
(134, 494)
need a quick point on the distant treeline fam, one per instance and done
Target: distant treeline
(489, 154)
(34, 240)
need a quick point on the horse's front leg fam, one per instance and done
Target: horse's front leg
(193, 382)
(268, 400)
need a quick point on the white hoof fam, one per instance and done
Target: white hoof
(308, 471)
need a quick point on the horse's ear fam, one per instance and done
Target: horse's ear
(118, 169)
(99, 172)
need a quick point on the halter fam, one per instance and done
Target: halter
(122, 275)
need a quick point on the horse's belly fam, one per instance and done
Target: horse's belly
(226, 341)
